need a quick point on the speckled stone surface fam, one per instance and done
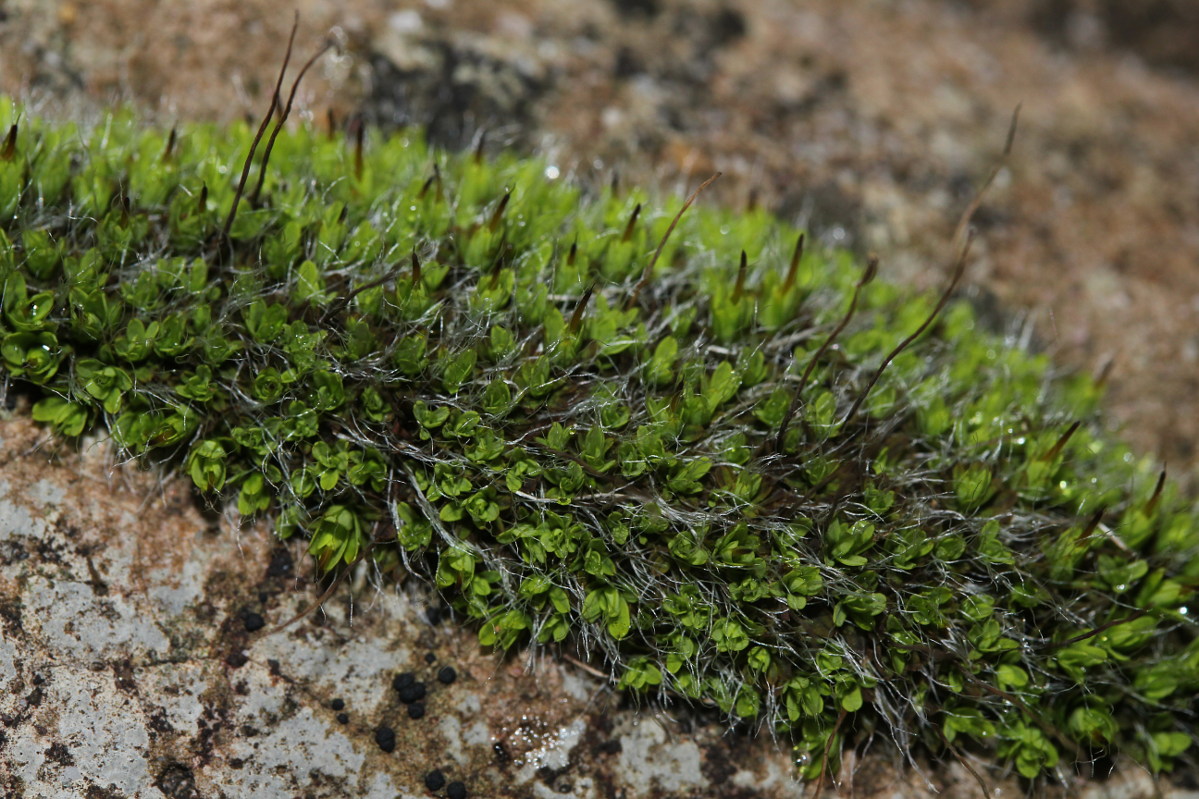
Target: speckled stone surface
(126, 666)
(127, 669)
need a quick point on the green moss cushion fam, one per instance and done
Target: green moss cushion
(466, 369)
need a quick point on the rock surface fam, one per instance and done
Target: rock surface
(135, 662)
(126, 664)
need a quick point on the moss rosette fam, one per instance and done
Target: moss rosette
(460, 368)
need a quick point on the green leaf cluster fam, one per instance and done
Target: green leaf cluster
(461, 368)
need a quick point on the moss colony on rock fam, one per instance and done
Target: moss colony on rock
(471, 370)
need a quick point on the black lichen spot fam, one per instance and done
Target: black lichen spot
(338, 704)
(436, 614)
(49, 551)
(548, 775)
(728, 25)
(177, 782)
(403, 680)
(627, 63)
(646, 9)
(343, 718)
(281, 564)
(59, 753)
(413, 693)
(160, 724)
(34, 698)
(435, 780)
(416, 710)
(447, 675)
(385, 737)
(12, 552)
(237, 659)
(610, 747)
(253, 622)
(122, 672)
(456, 790)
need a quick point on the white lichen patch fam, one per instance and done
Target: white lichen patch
(181, 588)
(46, 494)
(553, 749)
(85, 627)
(356, 668)
(8, 664)
(293, 740)
(89, 717)
(650, 760)
(17, 523)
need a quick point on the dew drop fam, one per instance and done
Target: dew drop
(552, 172)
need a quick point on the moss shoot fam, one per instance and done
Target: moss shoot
(717, 471)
